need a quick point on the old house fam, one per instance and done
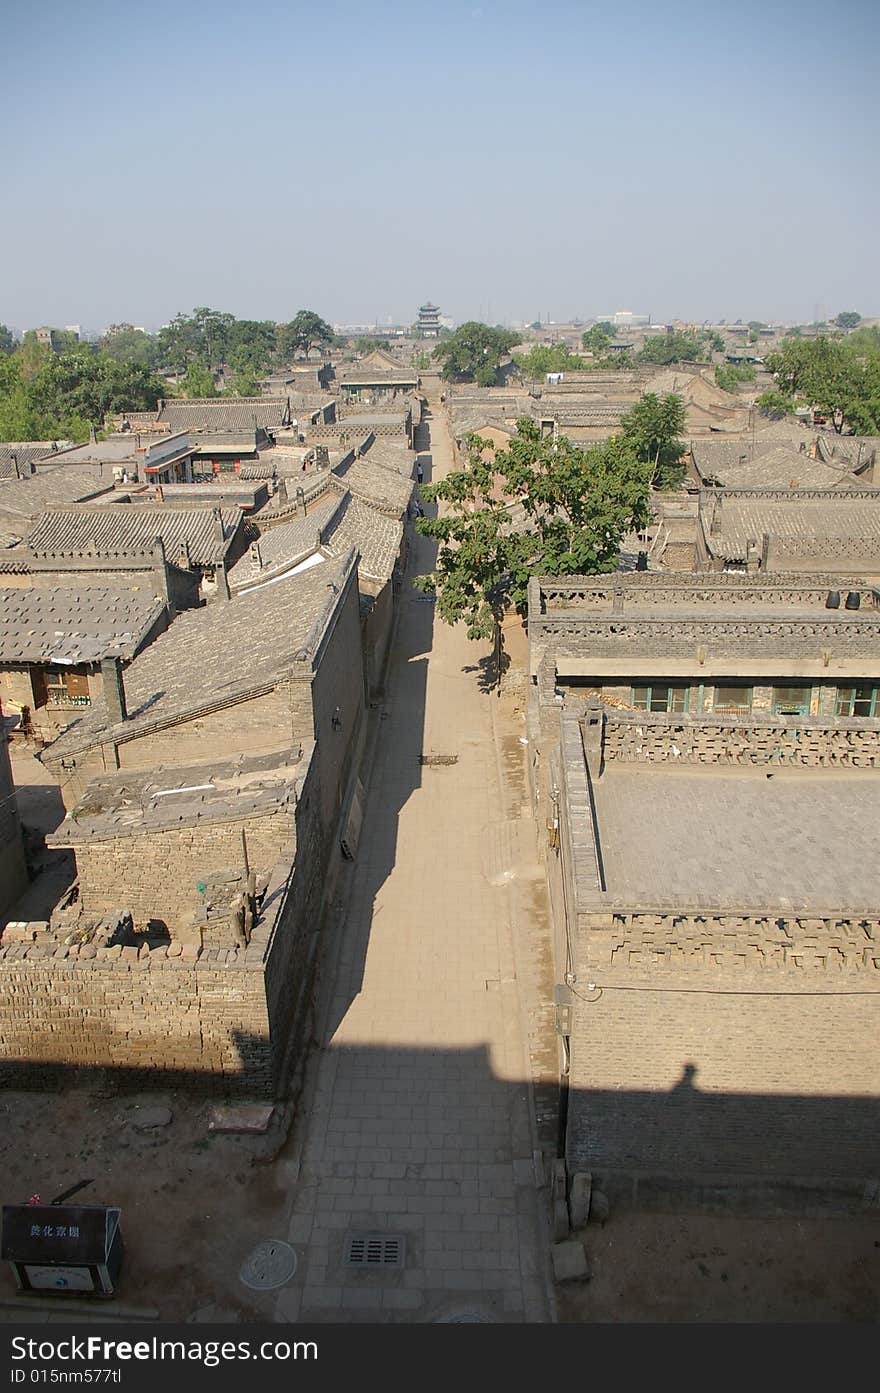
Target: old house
(705, 757)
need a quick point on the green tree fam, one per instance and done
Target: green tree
(125, 344)
(7, 342)
(204, 334)
(653, 428)
(244, 384)
(368, 345)
(732, 376)
(544, 357)
(599, 338)
(848, 319)
(713, 340)
(307, 330)
(474, 353)
(537, 507)
(251, 346)
(199, 381)
(677, 347)
(774, 404)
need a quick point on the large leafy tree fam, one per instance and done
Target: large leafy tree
(538, 507)
(599, 338)
(848, 319)
(653, 428)
(474, 353)
(678, 347)
(307, 330)
(839, 377)
(545, 357)
(125, 344)
(203, 335)
(7, 342)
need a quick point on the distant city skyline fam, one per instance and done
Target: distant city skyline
(698, 161)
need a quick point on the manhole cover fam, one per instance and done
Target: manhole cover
(271, 1264)
(374, 1250)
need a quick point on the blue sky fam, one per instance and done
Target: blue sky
(685, 159)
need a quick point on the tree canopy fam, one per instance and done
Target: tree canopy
(307, 330)
(537, 507)
(599, 338)
(653, 429)
(545, 357)
(848, 319)
(59, 395)
(474, 353)
(125, 344)
(839, 377)
(678, 347)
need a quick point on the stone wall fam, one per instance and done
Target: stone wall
(652, 737)
(13, 872)
(156, 874)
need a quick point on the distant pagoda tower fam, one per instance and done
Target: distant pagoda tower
(428, 322)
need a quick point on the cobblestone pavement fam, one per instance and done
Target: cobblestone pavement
(419, 1119)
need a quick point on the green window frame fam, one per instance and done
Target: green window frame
(660, 696)
(792, 701)
(860, 699)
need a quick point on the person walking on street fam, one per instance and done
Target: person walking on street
(420, 473)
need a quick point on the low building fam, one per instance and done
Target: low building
(167, 459)
(704, 759)
(280, 662)
(189, 955)
(801, 530)
(23, 501)
(55, 641)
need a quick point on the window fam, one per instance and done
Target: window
(856, 701)
(732, 700)
(67, 688)
(792, 701)
(661, 696)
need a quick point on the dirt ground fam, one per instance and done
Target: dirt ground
(650, 1268)
(194, 1203)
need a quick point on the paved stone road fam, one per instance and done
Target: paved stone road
(419, 1124)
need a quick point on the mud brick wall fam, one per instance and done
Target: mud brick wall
(338, 683)
(151, 1015)
(155, 875)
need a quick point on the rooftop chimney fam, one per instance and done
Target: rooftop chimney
(114, 690)
(218, 528)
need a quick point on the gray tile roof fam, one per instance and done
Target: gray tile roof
(127, 529)
(288, 543)
(220, 653)
(25, 452)
(130, 803)
(74, 624)
(375, 484)
(838, 520)
(23, 500)
(391, 455)
(376, 536)
(225, 413)
(782, 467)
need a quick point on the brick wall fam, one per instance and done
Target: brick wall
(651, 737)
(204, 1021)
(156, 874)
(13, 873)
(720, 1093)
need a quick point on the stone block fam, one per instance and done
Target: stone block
(570, 1261)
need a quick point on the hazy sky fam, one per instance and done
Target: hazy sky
(507, 160)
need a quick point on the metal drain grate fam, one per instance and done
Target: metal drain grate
(438, 759)
(374, 1251)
